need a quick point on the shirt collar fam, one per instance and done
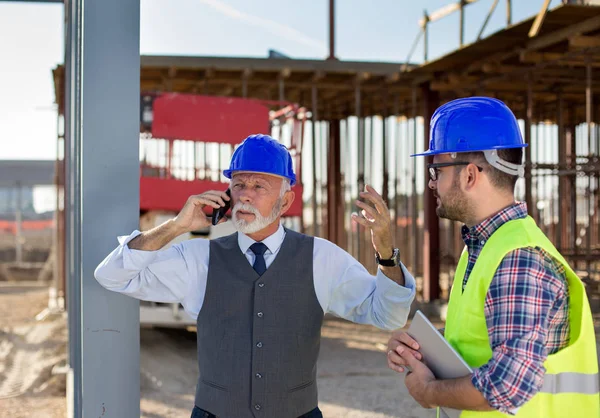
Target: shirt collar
(484, 230)
(273, 242)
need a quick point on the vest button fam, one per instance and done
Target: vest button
(260, 314)
(259, 344)
(261, 285)
(258, 376)
(257, 407)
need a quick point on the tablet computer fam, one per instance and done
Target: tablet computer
(443, 360)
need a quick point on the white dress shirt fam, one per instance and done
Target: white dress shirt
(178, 274)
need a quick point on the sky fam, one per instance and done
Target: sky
(31, 44)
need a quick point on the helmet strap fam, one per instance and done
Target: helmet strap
(507, 167)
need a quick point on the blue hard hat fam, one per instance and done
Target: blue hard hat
(262, 154)
(473, 124)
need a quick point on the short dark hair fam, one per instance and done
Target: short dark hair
(498, 178)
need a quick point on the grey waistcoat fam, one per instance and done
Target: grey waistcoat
(259, 336)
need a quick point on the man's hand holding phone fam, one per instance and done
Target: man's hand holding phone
(219, 213)
(192, 216)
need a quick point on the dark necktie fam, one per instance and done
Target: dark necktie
(258, 248)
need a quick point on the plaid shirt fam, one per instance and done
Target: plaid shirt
(527, 312)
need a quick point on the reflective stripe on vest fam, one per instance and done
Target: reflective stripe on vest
(569, 382)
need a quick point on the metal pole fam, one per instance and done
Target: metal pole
(425, 36)
(396, 158)
(508, 12)
(540, 178)
(588, 121)
(72, 250)
(245, 77)
(314, 159)
(369, 149)
(462, 22)
(487, 19)
(571, 140)
(385, 155)
(410, 240)
(562, 182)
(331, 30)
(360, 154)
(413, 179)
(281, 93)
(19, 224)
(109, 327)
(528, 170)
(335, 208)
(431, 225)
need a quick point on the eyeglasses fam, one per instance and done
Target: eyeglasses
(433, 168)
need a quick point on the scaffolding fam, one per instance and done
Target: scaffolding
(366, 118)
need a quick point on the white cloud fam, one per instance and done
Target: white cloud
(272, 26)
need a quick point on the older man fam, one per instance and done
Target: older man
(260, 294)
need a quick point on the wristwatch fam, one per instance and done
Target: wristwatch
(389, 262)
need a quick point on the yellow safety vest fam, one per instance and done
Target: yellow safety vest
(571, 387)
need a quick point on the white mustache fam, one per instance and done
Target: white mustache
(246, 207)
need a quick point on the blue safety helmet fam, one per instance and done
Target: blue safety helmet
(262, 154)
(473, 124)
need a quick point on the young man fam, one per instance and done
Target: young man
(518, 314)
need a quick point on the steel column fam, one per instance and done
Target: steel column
(528, 169)
(385, 155)
(590, 176)
(18, 190)
(314, 119)
(335, 207)
(571, 144)
(561, 231)
(431, 235)
(331, 29)
(73, 22)
(104, 120)
(415, 197)
(360, 156)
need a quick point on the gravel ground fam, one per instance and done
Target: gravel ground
(353, 378)
(28, 351)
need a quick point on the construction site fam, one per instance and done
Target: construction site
(347, 124)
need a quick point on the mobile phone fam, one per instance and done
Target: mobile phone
(220, 213)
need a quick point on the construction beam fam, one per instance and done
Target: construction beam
(271, 65)
(446, 10)
(184, 84)
(555, 58)
(560, 35)
(539, 20)
(581, 41)
(497, 68)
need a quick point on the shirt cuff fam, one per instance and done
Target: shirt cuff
(388, 285)
(134, 259)
(480, 381)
